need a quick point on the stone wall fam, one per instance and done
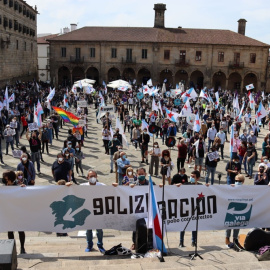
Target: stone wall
(18, 56)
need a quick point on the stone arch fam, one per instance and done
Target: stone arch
(77, 74)
(129, 74)
(249, 78)
(181, 76)
(113, 74)
(196, 79)
(234, 81)
(93, 73)
(143, 76)
(64, 76)
(219, 80)
(167, 75)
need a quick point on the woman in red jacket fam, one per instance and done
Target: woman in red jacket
(24, 123)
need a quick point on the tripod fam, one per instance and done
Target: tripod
(195, 254)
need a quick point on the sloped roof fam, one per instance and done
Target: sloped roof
(44, 39)
(159, 35)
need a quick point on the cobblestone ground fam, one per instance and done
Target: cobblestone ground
(45, 251)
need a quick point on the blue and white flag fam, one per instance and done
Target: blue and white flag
(145, 125)
(154, 219)
(197, 123)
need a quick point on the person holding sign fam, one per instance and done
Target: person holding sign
(8, 134)
(211, 161)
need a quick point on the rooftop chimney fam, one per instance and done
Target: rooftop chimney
(242, 26)
(159, 15)
(73, 26)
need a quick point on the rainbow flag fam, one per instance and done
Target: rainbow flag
(68, 117)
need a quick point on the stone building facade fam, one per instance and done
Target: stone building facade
(18, 41)
(218, 58)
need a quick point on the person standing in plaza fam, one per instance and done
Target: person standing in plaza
(200, 150)
(182, 154)
(144, 141)
(210, 166)
(8, 134)
(113, 147)
(221, 135)
(250, 155)
(92, 178)
(155, 154)
(211, 134)
(122, 164)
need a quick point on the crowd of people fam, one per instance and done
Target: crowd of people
(201, 149)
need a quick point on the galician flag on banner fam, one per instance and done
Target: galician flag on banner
(251, 101)
(154, 219)
(217, 100)
(172, 116)
(145, 125)
(204, 95)
(186, 110)
(231, 141)
(121, 131)
(11, 98)
(191, 93)
(154, 105)
(261, 113)
(6, 103)
(250, 87)
(197, 123)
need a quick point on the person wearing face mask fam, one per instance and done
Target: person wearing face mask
(113, 147)
(233, 168)
(250, 155)
(155, 154)
(106, 138)
(200, 150)
(45, 139)
(116, 156)
(242, 149)
(142, 181)
(17, 127)
(129, 178)
(61, 169)
(9, 179)
(122, 164)
(210, 166)
(8, 134)
(182, 153)
(92, 181)
(261, 177)
(28, 169)
(221, 135)
(244, 136)
(144, 141)
(193, 180)
(19, 178)
(78, 159)
(252, 138)
(166, 166)
(239, 181)
(70, 160)
(180, 178)
(69, 148)
(211, 134)
(35, 145)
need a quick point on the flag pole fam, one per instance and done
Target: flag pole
(161, 259)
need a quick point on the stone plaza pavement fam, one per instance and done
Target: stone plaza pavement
(46, 251)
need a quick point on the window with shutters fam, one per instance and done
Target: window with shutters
(144, 53)
(114, 53)
(92, 52)
(220, 56)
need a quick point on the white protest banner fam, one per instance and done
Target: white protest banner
(64, 209)
(17, 153)
(11, 132)
(82, 103)
(213, 155)
(81, 123)
(13, 125)
(33, 126)
(104, 109)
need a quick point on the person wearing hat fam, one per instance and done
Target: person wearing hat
(8, 134)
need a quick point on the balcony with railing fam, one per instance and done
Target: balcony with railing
(181, 63)
(76, 60)
(129, 60)
(234, 64)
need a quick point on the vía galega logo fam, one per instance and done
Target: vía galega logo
(69, 212)
(238, 214)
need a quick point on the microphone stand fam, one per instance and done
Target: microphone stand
(195, 254)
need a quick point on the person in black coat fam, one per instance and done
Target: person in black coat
(144, 141)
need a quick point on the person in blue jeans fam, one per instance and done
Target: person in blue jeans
(233, 168)
(193, 180)
(211, 165)
(92, 178)
(250, 156)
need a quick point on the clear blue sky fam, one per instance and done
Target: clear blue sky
(210, 14)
